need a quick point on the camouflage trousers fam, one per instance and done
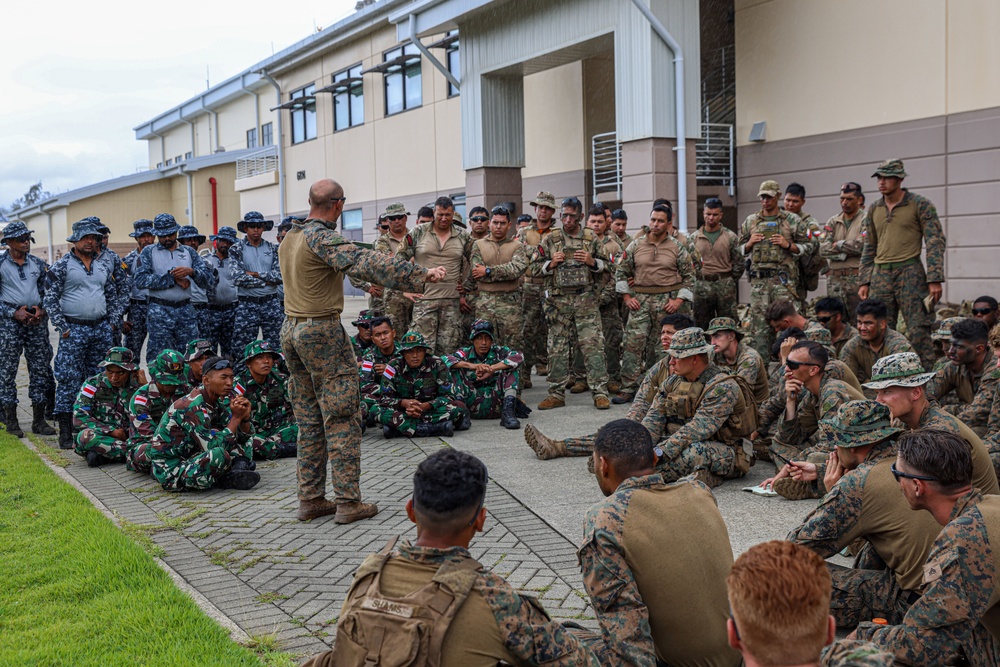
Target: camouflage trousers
(763, 292)
(611, 326)
(33, 341)
(266, 444)
(250, 316)
(137, 455)
(504, 310)
(170, 329)
(407, 425)
(861, 595)
(198, 472)
(713, 299)
(440, 323)
(77, 358)
(323, 388)
(642, 330)
(715, 457)
(89, 440)
(400, 311)
(903, 290)
(484, 400)
(376, 302)
(534, 328)
(843, 284)
(137, 316)
(216, 326)
(579, 313)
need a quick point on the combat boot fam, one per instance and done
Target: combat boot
(622, 398)
(241, 475)
(552, 402)
(521, 410)
(315, 508)
(351, 512)
(614, 386)
(287, 450)
(440, 430)
(794, 489)
(65, 430)
(38, 424)
(579, 387)
(50, 403)
(541, 369)
(601, 402)
(545, 448)
(507, 416)
(707, 478)
(10, 420)
(389, 432)
(96, 459)
(465, 424)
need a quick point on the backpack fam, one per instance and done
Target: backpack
(811, 266)
(379, 631)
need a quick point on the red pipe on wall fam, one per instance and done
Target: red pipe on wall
(215, 205)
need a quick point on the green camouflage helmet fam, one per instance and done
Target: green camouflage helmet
(898, 370)
(943, 331)
(724, 324)
(169, 368)
(689, 342)
(198, 348)
(121, 357)
(892, 167)
(858, 423)
(413, 340)
(257, 348)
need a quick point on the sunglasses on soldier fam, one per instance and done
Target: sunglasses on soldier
(794, 365)
(897, 473)
(478, 218)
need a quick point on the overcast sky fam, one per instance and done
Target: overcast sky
(78, 76)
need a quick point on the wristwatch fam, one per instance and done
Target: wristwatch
(489, 270)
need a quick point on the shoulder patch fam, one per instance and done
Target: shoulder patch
(389, 372)
(932, 572)
(89, 390)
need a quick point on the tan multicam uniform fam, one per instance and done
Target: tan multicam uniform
(841, 243)
(500, 296)
(722, 265)
(611, 319)
(535, 330)
(397, 307)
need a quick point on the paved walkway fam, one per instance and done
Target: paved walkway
(267, 573)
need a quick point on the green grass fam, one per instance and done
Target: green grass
(78, 591)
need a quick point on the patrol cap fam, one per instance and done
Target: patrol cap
(258, 347)
(141, 226)
(120, 356)
(225, 234)
(15, 230)
(254, 218)
(724, 324)
(168, 368)
(893, 167)
(544, 198)
(190, 232)
(689, 342)
(198, 348)
(413, 340)
(83, 228)
(898, 370)
(481, 326)
(943, 331)
(769, 188)
(165, 224)
(858, 423)
(395, 208)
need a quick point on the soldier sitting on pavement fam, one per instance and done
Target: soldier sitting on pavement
(635, 569)
(362, 341)
(487, 377)
(100, 414)
(195, 354)
(941, 339)
(875, 340)
(448, 605)
(701, 416)
(899, 382)
(970, 373)
(770, 627)
(955, 619)
(547, 448)
(275, 432)
(783, 314)
(415, 394)
(732, 355)
(373, 363)
(204, 438)
(832, 314)
(168, 382)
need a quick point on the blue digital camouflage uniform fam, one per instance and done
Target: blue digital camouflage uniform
(100, 409)
(430, 382)
(223, 298)
(17, 337)
(119, 273)
(259, 303)
(193, 446)
(484, 398)
(138, 306)
(275, 430)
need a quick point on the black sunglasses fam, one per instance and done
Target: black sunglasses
(394, 218)
(897, 473)
(500, 210)
(794, 365)
(219, 365)
(479, 218)
(982, 311)
(824, 320)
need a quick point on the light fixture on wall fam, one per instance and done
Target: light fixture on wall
(759, 131)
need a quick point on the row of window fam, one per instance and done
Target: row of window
(266, 136)
(401, 74)
(175, 160)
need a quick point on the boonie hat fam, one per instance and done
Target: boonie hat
(544, 198)
(898, 370)
(412, 340)
(190, 232)
(858, 423)
(225, 234)
(770, 188)
(258, 347)
(481, 326)
(892, 167)
(165, 224)
(689, 342)
(120, 356)
(15, 230)
(168, 368)
(724, 324)
(943, 331)
(366, 316)
(141, 226)
(254, 218)
(395, 208)
(83, 228)
(198, 348)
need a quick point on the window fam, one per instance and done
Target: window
(168, 162)
(159, 165)
(252, 138)
(352, 219)
(188, 155)
(348, 98)
(266, 137)
(453, 63)
(178, 160)
(304, 116)
(402, 79)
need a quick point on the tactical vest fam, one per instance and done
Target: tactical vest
(494, 254)
(766, 252)
(572, 274)
(400, 632)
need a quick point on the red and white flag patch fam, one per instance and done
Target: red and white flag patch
(367, 366)
(389, 372)
(140, 399)
(239, 389)
(89, 390)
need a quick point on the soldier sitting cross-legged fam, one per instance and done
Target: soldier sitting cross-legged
(100, 413)
(150, 402)
(275, 432)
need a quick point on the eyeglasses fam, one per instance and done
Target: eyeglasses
(897, 473)
(824, 320)
(219, 365)
(500, 210)
(336, 199)
(794, 365)
(564, 216)
(479, 218)
(394, 218)
(982, 311)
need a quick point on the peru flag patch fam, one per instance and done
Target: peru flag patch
(89, 390)
(389, 372)
(367, 366)
(239, 389)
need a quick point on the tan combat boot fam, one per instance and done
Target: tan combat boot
(351, 512)
(707, 478)
(601, 402)
(793, 489)
(552, 402)
(545, 448)
(579, 387)
(315, 508)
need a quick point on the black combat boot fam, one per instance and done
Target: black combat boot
(65, 430)
(50, 403)
(389, 432)
(507, 417)
(10, 420)
(95, 460)
(287, 450)
(38, 424)
(521, 410)
(241, 475)
(440, 429)
(465, 424)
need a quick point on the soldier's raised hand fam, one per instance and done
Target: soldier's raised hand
(436, 274)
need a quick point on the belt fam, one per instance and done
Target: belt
(200, 306)
(571, 291)
(223, 306)
(316, 318)
(143, 301)
(889, 266)
(843, 272)
(715, 277)
(764, 273)
(168, 303)
(639, 289)
(84, 323)
(259, 299)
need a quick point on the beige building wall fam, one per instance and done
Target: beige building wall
(228, 200)
(553, 121)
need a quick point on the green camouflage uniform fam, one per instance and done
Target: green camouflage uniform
(572, 306)
(748, 364)
(504, 309)
(975, 392)
(815, 234)
(146, 408)
(854, 653)
(484, 398)
(716, 293)
(534, 331)
(429, 383)
(770, 410)
(957, 614)
(797, 438)
(271, 413)
(841, 242)
(369, 381)
(98, 410)
(860, 357)
(193, 446)
(397, 307)
(611, 319)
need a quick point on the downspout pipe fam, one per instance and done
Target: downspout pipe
(681, 129)
(281, 149)
(190, 189)
(215, 204)
(427, 54)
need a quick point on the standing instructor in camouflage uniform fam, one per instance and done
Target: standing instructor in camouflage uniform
(324, 374)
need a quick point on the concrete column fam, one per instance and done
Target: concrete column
(488, 186)
(649, 171)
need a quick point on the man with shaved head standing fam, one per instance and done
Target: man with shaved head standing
(324, 373)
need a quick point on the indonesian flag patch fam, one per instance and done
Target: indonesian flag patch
(389, 372)
(367, 366)
(239, 389)
(89, 390)
(140, 399)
